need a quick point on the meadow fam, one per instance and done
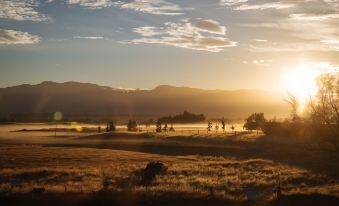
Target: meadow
(84, 167)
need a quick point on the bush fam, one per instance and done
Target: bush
(283, 128)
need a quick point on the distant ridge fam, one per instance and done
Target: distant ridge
(89, 99)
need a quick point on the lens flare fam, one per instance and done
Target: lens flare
(57, 116)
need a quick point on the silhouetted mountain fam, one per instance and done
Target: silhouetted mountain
(91, 99)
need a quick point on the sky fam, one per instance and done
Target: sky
(212, 44)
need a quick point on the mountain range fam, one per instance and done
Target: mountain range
(76, 98)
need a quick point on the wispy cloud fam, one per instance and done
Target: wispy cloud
(92, 4)
(17, 37)
(306, 27)
(89, 37)
(314, 17)
(243, 5)
(264, 6)
(316, 10)
(231, 2)
(289, 47)
(259, 62)
(147, 31)
(260, 40)
(332, 43)
(21, 10)
(318, 68)
(157, 7)
(262, 62)
(196, 34)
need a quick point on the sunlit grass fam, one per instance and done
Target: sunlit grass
(62, 170)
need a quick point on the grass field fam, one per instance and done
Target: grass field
(203, 169)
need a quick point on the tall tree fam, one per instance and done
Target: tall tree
(324, 113)
(223, 124)
(294, 104)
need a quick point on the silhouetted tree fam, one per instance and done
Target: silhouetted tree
(255, 121)
(223, 125)
(165, 128)
(158, 126)
(209, 126)
(112, 126)
(324, 114)
(294, 104)
(185, 117)
(232, 128)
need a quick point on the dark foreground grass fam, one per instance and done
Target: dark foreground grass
(144, 199)
(113, 198)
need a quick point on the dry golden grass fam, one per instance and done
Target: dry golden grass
(219, 166)
(91, 170)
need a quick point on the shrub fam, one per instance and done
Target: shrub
(283, 128)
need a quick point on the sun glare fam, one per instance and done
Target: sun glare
(302, 81)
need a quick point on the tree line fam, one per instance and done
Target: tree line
(185, 117)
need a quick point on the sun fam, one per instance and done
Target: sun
(301, 82)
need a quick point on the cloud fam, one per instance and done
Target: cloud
(89, 37)
(319, 68)
(243, 5)
(262, 62)
(196, 34)
(314, 17)
(157, 7)
(21, 10)
(313, 30)
(208, 25)
(259, 62)
(316, 10)
(332, 43)
(17, 37)
(273, 5)
(147, 31)
(289, 47)
(92, 4)
(260, 40)
(302, 28)
(231, 2)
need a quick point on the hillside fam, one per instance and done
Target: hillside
(91, 99)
